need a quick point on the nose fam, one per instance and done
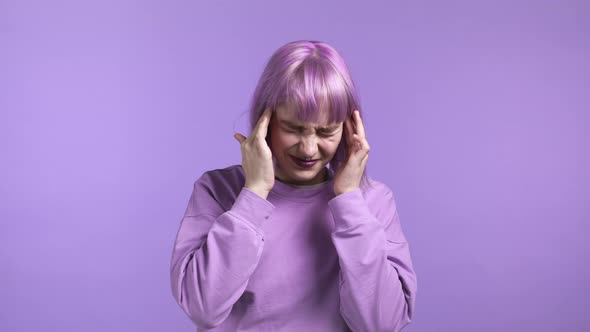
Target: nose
(308, 147)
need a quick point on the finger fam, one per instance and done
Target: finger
(363, 144)
(360, 128)
(357, 141)
(351, 130)
(261, 127)
(239, 137)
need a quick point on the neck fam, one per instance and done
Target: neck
(325, 178)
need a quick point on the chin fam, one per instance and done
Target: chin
(306, 174)
(293, 171)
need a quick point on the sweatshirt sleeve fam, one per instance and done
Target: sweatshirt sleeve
(215, 253)
(378, 284)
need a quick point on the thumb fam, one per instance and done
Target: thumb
(239, 137)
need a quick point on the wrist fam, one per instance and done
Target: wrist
(343, 191)
(260, 192)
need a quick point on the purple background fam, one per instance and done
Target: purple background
(477, 113)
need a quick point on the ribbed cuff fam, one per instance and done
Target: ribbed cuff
(349, 209)
(252, 208)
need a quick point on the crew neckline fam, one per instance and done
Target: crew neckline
(304, 193)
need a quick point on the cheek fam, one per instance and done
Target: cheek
(281, 140)
(331, 144)
(336, 139)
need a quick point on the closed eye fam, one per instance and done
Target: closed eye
(291, 130)
(328, 132)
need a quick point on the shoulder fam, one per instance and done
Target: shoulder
(228, 176)
(223, 184)
(379, 197)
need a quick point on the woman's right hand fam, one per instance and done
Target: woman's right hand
(257, 157)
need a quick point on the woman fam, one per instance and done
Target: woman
(297, 237)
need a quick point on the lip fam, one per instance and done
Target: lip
(303, 164)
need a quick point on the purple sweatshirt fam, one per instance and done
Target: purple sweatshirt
(301, 260)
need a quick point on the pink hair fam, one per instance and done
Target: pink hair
(308, 74)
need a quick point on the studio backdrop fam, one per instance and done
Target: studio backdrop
(477, 113)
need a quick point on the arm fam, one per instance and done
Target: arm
(215, 253)
(377, 281)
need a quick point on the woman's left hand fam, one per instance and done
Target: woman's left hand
(348, 176)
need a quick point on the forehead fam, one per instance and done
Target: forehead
(289, 116)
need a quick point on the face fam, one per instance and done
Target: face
(291, 140)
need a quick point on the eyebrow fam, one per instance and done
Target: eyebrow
(291, 124)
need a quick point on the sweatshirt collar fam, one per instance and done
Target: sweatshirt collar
(308, 192)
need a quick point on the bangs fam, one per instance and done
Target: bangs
(316, 87)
